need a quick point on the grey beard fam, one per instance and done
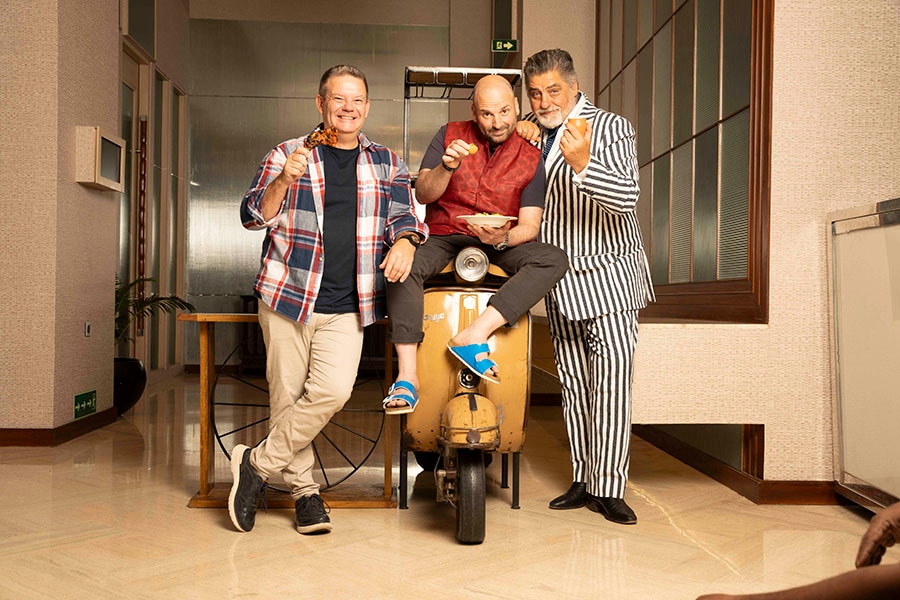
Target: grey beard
(550, 121)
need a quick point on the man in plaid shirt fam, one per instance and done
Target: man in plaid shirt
(339, 220)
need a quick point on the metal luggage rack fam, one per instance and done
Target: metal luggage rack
(450, 83)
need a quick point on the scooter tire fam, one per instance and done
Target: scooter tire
(470, 496)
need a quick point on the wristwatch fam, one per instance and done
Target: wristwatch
(504, 244)
(413, 239)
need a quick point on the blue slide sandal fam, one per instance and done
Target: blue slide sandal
(402, 391)
(467, 354)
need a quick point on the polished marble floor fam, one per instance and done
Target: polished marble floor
(106, 516)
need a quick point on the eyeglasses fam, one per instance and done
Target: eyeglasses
(354, 102)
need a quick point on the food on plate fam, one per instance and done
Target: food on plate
(321, 136)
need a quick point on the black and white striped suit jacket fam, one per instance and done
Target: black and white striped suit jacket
(594, 221)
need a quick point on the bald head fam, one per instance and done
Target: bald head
(495, 108)
(490, 86)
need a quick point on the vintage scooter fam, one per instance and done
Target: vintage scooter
(461, 417)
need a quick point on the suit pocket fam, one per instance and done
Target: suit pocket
(592, 262)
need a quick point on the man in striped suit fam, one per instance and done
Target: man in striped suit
(592, 190)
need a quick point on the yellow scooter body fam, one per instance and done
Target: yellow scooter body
(448, 310)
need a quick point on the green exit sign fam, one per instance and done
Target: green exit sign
(85, 404)
(505, 46)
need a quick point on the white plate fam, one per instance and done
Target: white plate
(487, 220)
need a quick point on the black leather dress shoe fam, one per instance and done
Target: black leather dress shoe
(614, 509)
(575, 497)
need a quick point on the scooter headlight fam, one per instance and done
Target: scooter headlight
(471, 264)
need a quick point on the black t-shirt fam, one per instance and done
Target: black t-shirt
(338, 293)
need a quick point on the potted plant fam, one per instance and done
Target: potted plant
(130, 375)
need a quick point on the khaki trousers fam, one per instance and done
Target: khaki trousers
(311, 370)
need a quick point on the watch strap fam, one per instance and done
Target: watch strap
(413, 239)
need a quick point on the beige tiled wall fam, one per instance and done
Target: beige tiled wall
(28, 175)
(57, 238)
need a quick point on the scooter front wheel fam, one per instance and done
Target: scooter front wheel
(470, 496)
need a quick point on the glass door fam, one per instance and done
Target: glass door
(151, 218)
(129, 99)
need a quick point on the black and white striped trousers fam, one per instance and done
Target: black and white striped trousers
(595, 361)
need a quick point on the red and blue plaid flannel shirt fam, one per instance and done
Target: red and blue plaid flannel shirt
(291, 265)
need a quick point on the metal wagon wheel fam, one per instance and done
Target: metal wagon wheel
(341, 448)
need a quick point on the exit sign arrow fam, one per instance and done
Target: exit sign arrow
(505, 46)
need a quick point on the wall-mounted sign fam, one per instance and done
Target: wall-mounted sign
(505, 46)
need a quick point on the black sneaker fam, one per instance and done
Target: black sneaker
(246, 490)
(312, 517)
